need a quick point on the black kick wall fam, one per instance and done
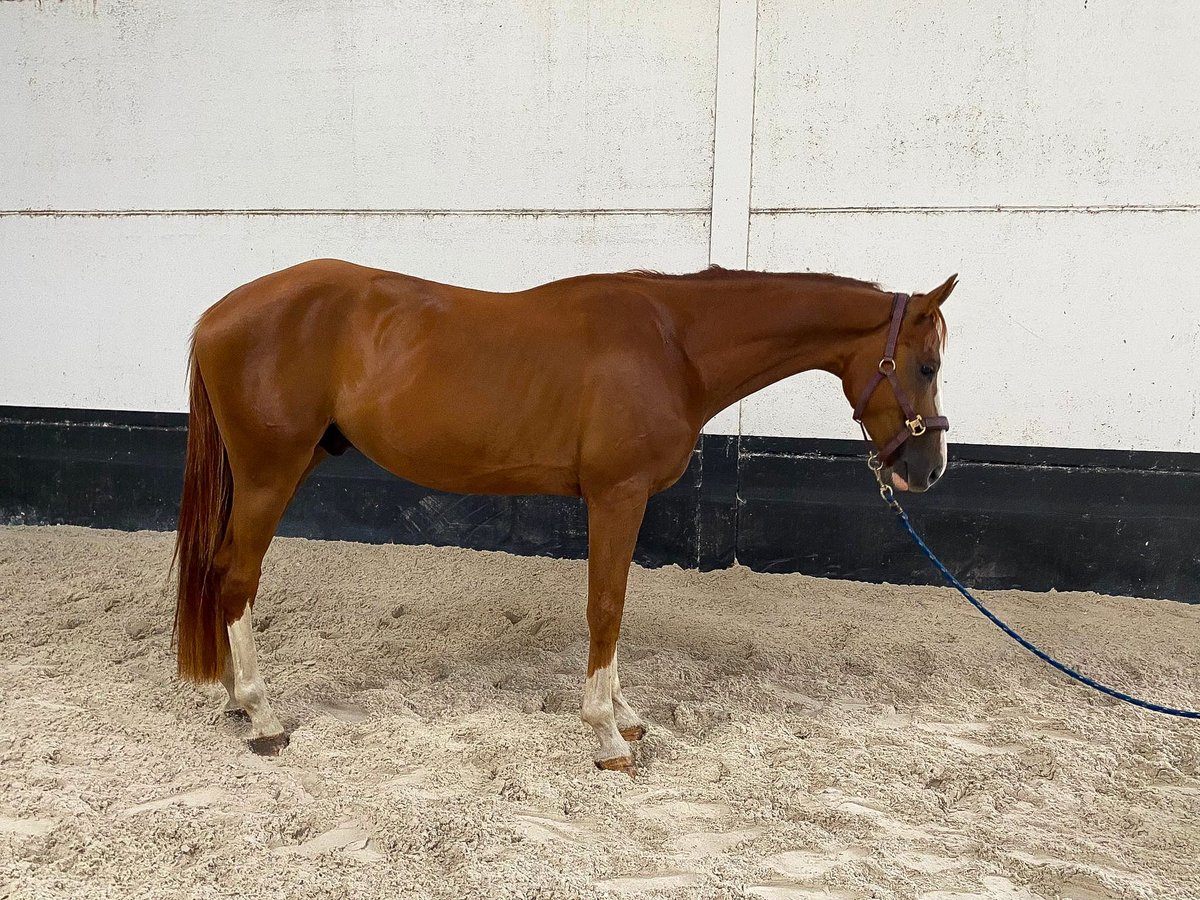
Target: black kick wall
(1034, 518)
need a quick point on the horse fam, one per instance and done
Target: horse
(595, 386)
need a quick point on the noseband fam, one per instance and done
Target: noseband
(915, 424)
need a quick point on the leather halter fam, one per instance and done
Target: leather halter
(915, 424)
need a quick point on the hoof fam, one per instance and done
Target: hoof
(633, 732)
(618, 764)
(269, 745)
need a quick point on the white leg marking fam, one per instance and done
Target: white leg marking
(231, 703)
(626, 717)
(248, 688)
(598, 712)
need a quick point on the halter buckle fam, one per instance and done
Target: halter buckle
(886, 365)
(916, 426)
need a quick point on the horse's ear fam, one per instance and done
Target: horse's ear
(935, 298)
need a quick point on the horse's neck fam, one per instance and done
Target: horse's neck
(743, 334)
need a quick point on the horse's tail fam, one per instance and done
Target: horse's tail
(203, 643)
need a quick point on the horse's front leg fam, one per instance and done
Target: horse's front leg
(614, 518)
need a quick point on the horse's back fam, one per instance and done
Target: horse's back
(451, 387)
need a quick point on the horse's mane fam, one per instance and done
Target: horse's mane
(716, 272)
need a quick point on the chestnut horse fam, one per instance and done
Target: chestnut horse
(595, 386)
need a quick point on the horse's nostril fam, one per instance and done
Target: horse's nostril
(935, 475)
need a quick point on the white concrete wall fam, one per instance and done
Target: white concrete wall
(184, 149)
(1034, 148)
(156, 154)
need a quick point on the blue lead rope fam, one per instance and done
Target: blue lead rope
(886, 492)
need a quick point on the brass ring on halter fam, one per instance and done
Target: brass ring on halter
(915, 426)
(887, 364)
(874, 463)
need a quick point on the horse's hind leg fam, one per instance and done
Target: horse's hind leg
(233, 707)
(259, 499)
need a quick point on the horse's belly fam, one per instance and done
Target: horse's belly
(452, 472)
(503, 455)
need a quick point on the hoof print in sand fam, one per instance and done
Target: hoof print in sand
(269, 745)
(342, 711)
(697, 719)
(25, 827)
(560, 700)
(349, 839)
(201, 797)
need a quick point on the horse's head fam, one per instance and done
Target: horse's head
(896, 393)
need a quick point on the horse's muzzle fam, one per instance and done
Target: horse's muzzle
(916, 472)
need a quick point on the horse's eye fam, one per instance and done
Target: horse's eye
(928, 371)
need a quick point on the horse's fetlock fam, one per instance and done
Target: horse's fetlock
(249, 696)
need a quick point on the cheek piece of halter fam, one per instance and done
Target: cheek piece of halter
(915, 424)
